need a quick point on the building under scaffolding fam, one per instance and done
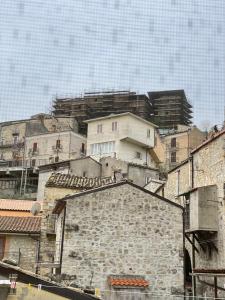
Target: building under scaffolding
(93, 105)
(167, 109)
(170, 108)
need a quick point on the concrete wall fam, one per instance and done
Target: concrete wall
(123, 230)
(85, 167)
(131, 130)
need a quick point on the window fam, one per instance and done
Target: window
(84, 174)
(57, 144)
(138, 155)
(148, 133)
(147, 180)
(103, 148)
(33, 162)
(114, 126)
(173, 142)
(15, 139)
(83, 148)
(56, 159)
(173, 157)
(34, 147)
(99, 128)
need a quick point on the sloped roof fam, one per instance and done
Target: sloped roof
(60, 203)
(73, 181)
(9, 224)
(19, 205)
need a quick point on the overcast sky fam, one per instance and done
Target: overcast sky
(66, 47)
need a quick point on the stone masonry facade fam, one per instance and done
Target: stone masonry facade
(123, 230)
(208, 169)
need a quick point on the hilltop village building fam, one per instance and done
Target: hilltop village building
(175, 146)
(123, 136)
(96, 232)
(198, 184)
(27, 144)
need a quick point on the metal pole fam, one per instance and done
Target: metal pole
(215, 287)
(193, 266)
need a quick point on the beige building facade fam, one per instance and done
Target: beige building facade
(124, 136)
(175, 146)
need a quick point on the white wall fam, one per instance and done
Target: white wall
(130, 137)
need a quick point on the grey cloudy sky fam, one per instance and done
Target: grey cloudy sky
(66, 47)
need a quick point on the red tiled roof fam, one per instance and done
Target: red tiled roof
(12, 204)
(73, 182)
(128, 282)
(9, 224)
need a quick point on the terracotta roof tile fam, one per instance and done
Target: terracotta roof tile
(73, 182)
(10, 224)
(12, 204)
(128, 282)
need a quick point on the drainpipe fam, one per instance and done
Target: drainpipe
(62, 240)
(192, 171)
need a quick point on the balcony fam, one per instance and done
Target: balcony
(202, 210)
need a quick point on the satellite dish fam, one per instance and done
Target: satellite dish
(35, 209)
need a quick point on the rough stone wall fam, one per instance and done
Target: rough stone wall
(48, 243)
(28, 248)
(123, 230)
(209, 169)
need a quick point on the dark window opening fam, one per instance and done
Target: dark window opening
(56, 159)
(58, 144)
(173, 142)
(173, 157)
(83, 148)
(33, 162)
(34, 147)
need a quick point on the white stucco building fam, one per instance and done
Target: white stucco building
(123, 136)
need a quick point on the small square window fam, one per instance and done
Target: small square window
(138, 155)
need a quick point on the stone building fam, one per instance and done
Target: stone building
(124, 136)
(122, 239)
(27, 144)
(198, 184)
(19, 240)
(137, 173)
(175, 146)
(58, 186)
(82, 167)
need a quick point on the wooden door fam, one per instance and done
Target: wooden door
(2, 247)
